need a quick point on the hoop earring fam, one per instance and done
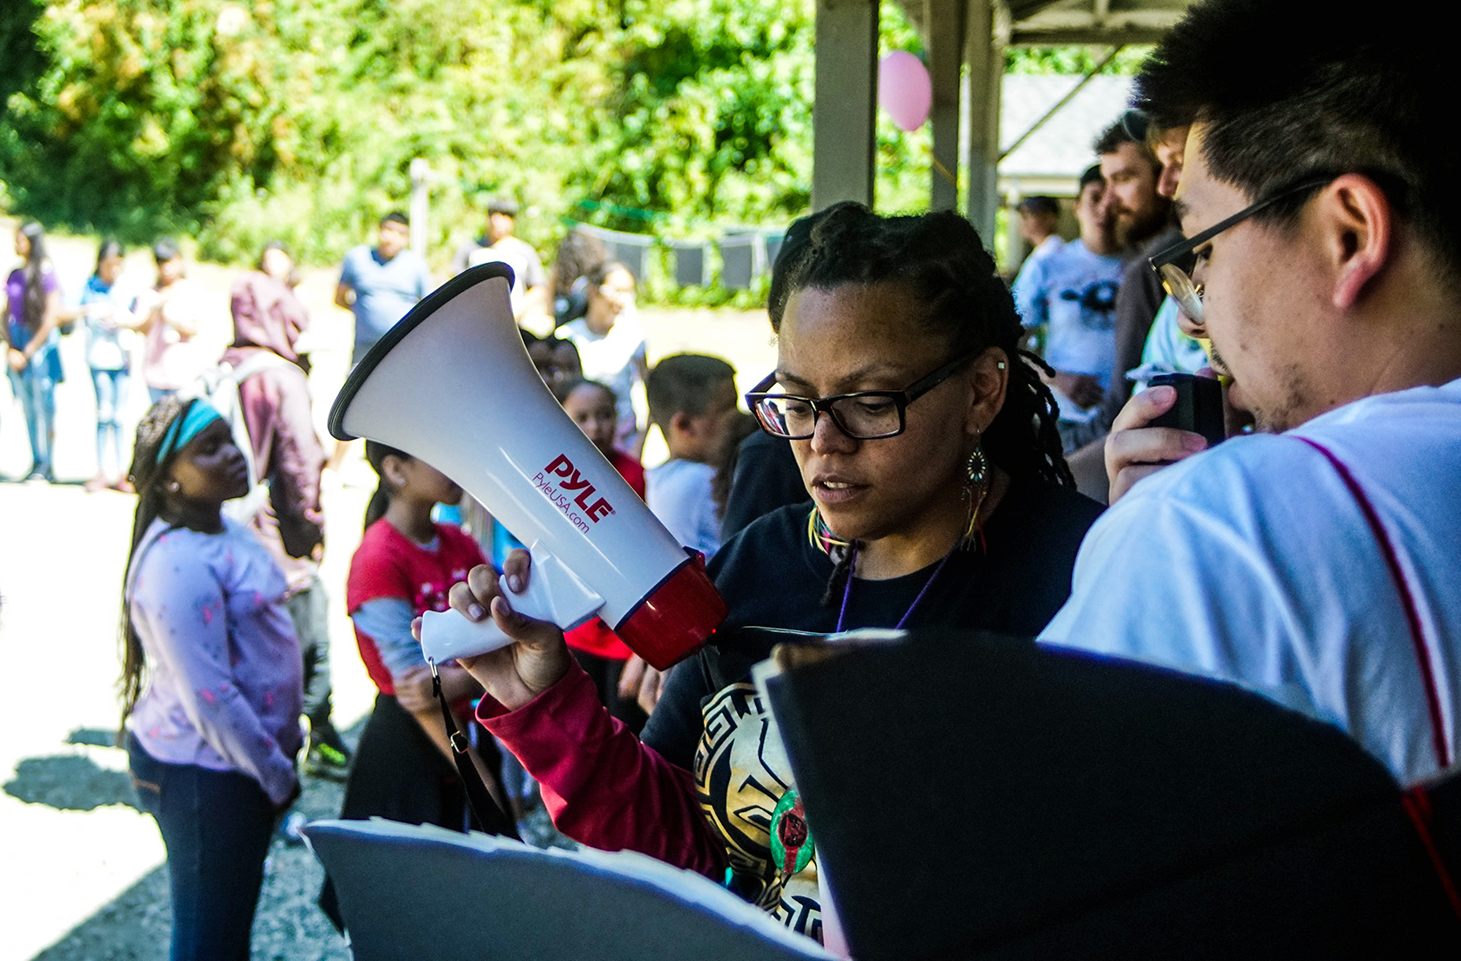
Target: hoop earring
(976, 487)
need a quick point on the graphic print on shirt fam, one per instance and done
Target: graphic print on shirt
(1097, 302)
(433, 597)
(744, 781)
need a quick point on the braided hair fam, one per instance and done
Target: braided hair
(146, 474)
(939, 258)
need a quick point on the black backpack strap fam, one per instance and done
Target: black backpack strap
(490, 817)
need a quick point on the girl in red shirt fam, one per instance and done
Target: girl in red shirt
(403, 768)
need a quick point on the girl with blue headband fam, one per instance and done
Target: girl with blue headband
(211, 681)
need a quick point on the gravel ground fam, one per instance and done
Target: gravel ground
(289, 925)
(134, 926)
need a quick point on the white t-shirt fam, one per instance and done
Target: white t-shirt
(1072, 292)
(613, 359)
(678, 493)
(1254, 562)
(527, 269)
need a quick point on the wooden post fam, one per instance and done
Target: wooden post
(844, 138)
(986, 71)
(944, 26)
(420, 204)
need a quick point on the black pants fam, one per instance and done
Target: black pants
(216, 826)
(400, 774)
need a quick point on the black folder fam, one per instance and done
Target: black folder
(979, 796)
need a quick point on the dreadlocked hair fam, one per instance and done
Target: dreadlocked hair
(146, 474)
(939, 258)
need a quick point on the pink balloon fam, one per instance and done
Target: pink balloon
(904, 89)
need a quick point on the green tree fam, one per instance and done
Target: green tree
(710, 116)
(1081, 60)
(237, 122)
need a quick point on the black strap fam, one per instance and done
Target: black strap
(490, 817)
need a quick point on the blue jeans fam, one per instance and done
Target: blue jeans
(111, 398)
(37, 393)
(216, 826)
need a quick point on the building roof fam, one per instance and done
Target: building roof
(1052, 157)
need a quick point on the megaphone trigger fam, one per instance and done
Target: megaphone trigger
(553, 593)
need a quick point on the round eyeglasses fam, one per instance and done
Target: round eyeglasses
(1175, 265)
(862, 415)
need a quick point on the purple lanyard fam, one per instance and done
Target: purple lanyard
(847, 590)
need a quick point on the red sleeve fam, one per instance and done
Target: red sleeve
(602, 786)
(376, 570)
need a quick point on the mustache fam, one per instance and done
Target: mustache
(1215, 358)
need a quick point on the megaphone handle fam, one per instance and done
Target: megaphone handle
(446, 635)
(553, 594)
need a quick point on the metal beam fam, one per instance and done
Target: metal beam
(843, 113)
(944, 28)
(1059, 103)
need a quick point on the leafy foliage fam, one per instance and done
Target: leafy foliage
(1080, 60)
(237, 122)
(294, 118)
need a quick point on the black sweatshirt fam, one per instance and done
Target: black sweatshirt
(772, 576)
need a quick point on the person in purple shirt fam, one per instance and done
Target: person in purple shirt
(33, 306)
(211, 681)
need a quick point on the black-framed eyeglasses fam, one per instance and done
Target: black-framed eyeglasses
(862, 415)
(1174, 265)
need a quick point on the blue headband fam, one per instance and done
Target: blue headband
(185, 428)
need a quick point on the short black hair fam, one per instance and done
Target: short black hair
(682, 384)
(1120, 133)
(110, 247)
(1366, 97)
(600, 272)
(565, 390)
(1048, 206)
(165, 249)
(395, 217)
(502, 205)
(375, 455)
(1090, 175)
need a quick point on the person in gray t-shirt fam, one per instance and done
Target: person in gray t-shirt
(380, 284)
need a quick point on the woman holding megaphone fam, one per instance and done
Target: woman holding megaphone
(941, 499)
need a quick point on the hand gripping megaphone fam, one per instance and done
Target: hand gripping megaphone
(452, 384)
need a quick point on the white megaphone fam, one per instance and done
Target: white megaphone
(452, 384)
